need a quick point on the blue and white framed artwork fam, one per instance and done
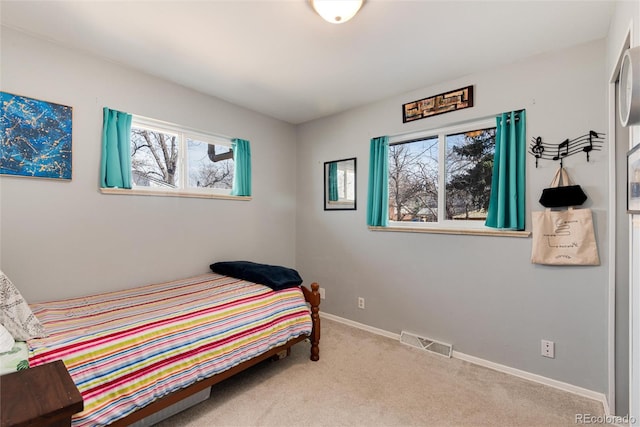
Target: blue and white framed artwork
(36, 138)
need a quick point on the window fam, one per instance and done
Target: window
(346, 182)
(169, 158)
(442, 177)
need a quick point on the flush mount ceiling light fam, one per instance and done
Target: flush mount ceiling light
(336, 11)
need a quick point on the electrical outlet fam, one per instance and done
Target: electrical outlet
(547, 349)
(322, 294)
(361, 303)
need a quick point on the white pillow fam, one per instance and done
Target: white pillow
(15, 314)
(6, 340)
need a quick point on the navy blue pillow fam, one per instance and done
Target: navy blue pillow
(273, 276)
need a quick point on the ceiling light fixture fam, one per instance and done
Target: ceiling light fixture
(336, 11)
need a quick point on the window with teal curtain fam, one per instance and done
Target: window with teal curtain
(333, 181)
(242, 174)
(115, 167)
(378, 200)
(507, 200)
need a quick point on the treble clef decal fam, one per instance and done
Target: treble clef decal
(537, 149)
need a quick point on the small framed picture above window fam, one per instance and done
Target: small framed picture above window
(438, 104)
(633, 180)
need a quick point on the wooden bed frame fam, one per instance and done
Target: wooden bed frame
(311, 296)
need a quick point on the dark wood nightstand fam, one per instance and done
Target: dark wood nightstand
(43, 395)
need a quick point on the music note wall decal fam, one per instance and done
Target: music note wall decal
(592, 141)
(564, 144)
(588, 149)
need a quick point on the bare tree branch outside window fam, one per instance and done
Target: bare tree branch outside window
(413, 181)
(414, 177)
(154, 158)
(203, 171)
(155, 161)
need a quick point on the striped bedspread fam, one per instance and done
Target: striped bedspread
(126, 349)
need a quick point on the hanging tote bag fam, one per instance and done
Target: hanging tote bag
(561, 193)
(564, 237)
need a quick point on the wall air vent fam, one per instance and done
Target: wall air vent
(426, 344)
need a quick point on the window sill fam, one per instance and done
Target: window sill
(461, 231)
(140, 192)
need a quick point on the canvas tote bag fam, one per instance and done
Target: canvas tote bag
(564, 237)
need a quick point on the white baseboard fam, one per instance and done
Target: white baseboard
(570, 388)
(360, 326)
(580, 391)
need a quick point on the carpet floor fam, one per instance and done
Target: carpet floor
(363, 379)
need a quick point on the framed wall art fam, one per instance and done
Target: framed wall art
(340, 185)
(36, 138)
(633, 180)
(438, 104)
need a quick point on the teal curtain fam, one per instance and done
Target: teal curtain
(378, 201)
(115, 167)
(506, 203)
(242, 161)
(333, 181)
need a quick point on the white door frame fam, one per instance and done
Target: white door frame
(634, 308)
(634, 297)
(634, 324)
(611, 327)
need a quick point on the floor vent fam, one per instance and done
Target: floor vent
(426, 344)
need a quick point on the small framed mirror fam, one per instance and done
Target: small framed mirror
(340, 185)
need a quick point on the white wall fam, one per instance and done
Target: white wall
(479, 293)
(63, 239)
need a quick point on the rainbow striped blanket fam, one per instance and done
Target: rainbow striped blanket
(126, 349)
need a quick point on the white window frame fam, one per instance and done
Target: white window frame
(348, 176)
(183, 133)
(441, 133)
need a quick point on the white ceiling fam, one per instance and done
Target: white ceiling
(279, 58)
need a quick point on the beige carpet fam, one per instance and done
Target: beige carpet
(363, 379)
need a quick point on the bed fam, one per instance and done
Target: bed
(135, 352)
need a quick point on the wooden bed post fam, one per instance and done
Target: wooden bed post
(313, 298)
